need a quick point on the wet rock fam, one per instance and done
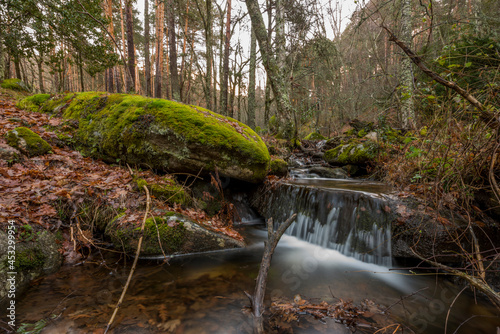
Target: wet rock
(327, 172)
(169, 234)
(36, 255)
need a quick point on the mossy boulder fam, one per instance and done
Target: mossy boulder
(353, 153)
(34, 102)
(315, 136)
(35, 256)
(168, 234)
(162, 134)
(27, 142)
(168, 191)
(14, 84)
(278, 167)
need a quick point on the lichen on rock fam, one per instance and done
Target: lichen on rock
(27, 142)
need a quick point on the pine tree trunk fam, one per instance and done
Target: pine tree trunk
(174, 76)
(251, 80)
(208, 53)
(124, 46)
(147, 64)
(159, 47)
(225, 75)
(130, 45)
(183, 61)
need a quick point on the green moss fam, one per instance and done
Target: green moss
(168, 191)
(167, 229)
(137, 129)
(14, 84)
(314, 136)
(27, 141)
(278, 167)
(30, 258)
(352, 153)
(33, 103)
(362, 133)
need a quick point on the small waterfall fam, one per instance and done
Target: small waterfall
(354, 223)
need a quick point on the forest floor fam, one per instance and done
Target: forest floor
(47, 191)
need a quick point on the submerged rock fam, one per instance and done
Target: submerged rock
(36, 254)
(169, 234)
(332, 173)
(27, 142)
(160, 134)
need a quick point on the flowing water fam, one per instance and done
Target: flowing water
(331, 252)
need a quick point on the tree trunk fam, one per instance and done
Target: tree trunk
(174, 76)
(159, 47)
(407, 105)
(183, 61)
(208, 53)
(124, 50)
(147, 64)
(225, 75)
(130, 45)
(278, 83)
(251, 80)
(2, 58)
(40, 73)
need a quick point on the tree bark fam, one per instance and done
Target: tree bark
(172, 47)
(183, 61)
(147, 64)
(251, 80)
(130, 45)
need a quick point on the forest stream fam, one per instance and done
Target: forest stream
(204, 293)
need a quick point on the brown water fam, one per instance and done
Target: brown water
(205, 293)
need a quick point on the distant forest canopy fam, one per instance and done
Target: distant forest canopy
(203, 52)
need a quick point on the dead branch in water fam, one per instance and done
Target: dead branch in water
(257, 300)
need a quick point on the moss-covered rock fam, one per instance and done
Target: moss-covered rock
(14, 84)
(27, 141)
(162, 134)
(279, 167)
(168, 191)
(34, 102)
(315, 136)
(168, 234)
(352, 153)
(34, 257)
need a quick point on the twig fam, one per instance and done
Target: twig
(138, 251)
